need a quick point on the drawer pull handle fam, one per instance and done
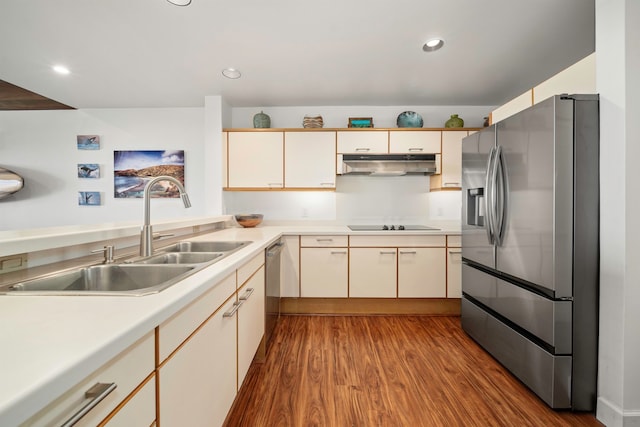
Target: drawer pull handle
(408, 252)
(363, 149)
(338, 252)
(455, 252)
(96, 393)
(387, 252)
(247, 294)
(452, 184)
(236, 306)
(327, 184)
(324, 240)
(416, 149)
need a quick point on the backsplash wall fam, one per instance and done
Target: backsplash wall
(357, 199)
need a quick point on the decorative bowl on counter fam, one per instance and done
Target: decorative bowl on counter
(249, 220)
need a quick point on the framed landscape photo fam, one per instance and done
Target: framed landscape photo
(133, 169)
(360, 122)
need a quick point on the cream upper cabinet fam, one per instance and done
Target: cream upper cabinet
(372, 272)
(421, 273)
(451, 173)
(251, 318)
(310, 159)
(578, 78)
(255, 160)
(414, 142)
(363, 141)
(454, 267)
(512, 107)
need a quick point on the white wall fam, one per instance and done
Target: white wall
(618, 82)
(41, 147)
(338, 116)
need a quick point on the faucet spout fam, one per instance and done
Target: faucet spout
(146, 233)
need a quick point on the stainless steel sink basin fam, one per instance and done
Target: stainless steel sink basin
(182, 258)
(220, 246)
(128, 279)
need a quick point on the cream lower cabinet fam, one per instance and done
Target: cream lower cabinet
(198, 381)
(324, 266)
(372, 272)
(290, 267)
(127, 371)
(454, 267)
(251, 318)
(422, 273)
(324, 272)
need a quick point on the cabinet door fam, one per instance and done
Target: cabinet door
(414, 141)
(372, 272)
(454, 272)
(198, 382)
(290, 267)
(250, 321)
(310, 159)
(421, 273)
(324, 272)
(363, 141)
(255, 159)
(452, 158)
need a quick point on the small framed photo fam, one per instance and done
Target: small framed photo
(360, 122)
(88, 142)
(89, 198)
(88, 170)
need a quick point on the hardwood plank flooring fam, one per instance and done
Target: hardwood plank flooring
(362, 371)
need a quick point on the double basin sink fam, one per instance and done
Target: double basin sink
(137, 277)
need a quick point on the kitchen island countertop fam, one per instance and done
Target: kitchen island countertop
(50, 343)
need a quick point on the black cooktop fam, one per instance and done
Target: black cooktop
(400, 227)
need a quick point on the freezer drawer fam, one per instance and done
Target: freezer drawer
(547, 319)
(546, 375)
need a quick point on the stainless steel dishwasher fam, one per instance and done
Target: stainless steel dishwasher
(272, 289)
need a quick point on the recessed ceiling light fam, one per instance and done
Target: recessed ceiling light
(433, 44)
(231, 73)
(180, 2)
(61, 69)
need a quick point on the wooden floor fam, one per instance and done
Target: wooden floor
(385, 371)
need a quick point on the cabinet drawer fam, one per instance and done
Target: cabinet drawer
(454, 241)
(417, 142)
(249, 268)
(139, 411)
(397, 241)
(363, 142)
(324, 241)
(177, 328)
(127, 371)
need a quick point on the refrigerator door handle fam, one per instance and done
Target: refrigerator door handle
(502, 196)
(489, 197)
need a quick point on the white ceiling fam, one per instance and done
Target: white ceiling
(149, 53)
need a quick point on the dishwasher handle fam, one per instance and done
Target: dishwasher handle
(274, 249)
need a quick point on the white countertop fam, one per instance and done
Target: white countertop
(50, 343)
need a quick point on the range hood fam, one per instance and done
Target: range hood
(387, 164)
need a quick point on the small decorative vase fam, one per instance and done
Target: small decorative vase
(261, 120)
(486, 122)
(409, 119)
(454, 122)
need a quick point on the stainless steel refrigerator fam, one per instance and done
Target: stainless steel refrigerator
(530, 246)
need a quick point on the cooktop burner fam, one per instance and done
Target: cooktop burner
(390, 227)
